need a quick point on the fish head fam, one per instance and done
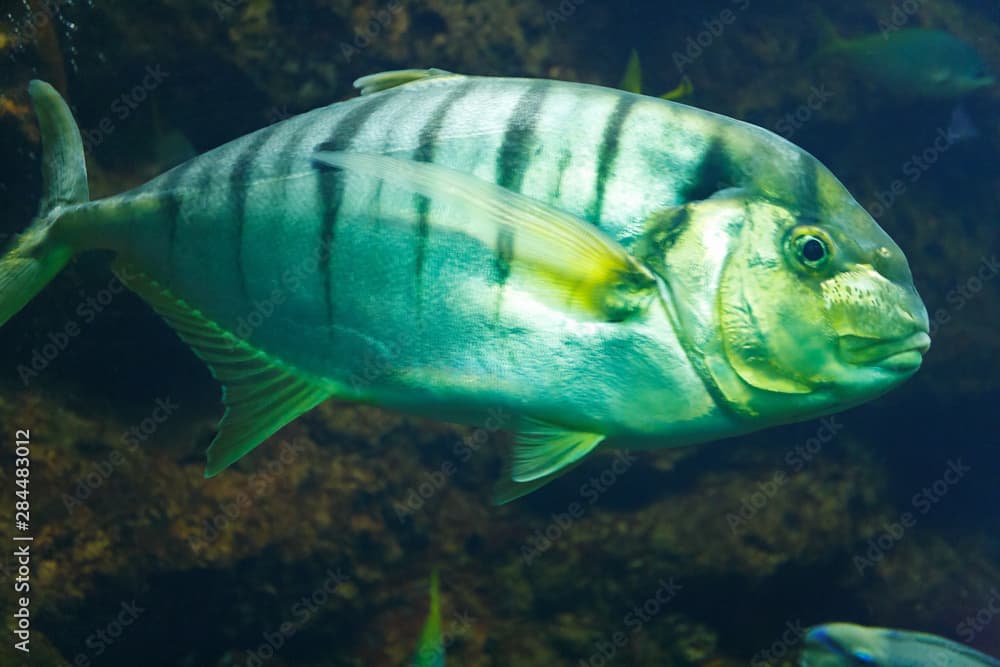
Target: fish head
(953, 67)
(956, 79)
(818, 307)
(842, 645)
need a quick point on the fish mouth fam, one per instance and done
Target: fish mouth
(902, 355)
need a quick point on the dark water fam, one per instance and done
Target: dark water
(316, 549)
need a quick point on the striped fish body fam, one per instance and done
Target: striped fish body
(570, 261)
(376, 303)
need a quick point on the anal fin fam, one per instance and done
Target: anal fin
(261, 393)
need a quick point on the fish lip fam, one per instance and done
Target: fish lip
(901, 355)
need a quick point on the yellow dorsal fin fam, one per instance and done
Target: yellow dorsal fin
(682, 90)
(376, 83)
(261, 394)
(632, 79)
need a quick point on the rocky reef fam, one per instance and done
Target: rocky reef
(316, 549)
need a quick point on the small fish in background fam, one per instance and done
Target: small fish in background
(848, 645)
(915, 62)
(632, 81)
(430, 648)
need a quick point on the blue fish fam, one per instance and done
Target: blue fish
(915, 62)
(847, 645)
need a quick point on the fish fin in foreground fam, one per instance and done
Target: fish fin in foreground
(37, 255)
(683, 89)
(430, 648)
(261, 393)
(537, 441)
(632, 79)
(542, 449)
(376, 83)
(569, 264)
(507, 490)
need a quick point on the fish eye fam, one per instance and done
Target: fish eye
(812, 248)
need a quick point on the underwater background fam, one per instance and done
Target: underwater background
(316, 550)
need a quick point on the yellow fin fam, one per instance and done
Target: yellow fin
(571, 263)
(507, 490)
(544, 449)
(632, 79)
(376, 83)
(684, 89)
(261, 393)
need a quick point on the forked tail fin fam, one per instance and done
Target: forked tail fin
(37, 255)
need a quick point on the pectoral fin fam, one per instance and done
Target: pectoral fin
(543, 449)
(542, 453)
(568, 263)
(507, 490)
(261, 393)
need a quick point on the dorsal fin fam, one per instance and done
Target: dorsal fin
(376, 83)
(261, 393)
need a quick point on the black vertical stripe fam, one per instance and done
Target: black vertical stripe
(513, 158)
(564, 161)
(331, 183)
(608, 152)
(426, 148)
(171, 202)
(505, 253)
(519, 140)
(807, 193)
(715, 172)
(239, 191)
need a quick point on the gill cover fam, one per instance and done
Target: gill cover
(760, 300)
